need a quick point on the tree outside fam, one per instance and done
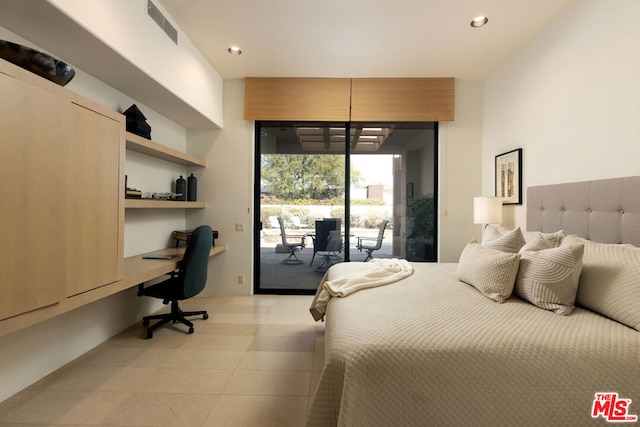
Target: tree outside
(296, 176)
(311, 187)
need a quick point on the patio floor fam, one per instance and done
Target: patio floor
(304, 277)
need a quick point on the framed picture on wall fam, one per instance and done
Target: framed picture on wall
(509, 177)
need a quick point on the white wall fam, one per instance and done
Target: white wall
(124, 26)
(227, 186)
(460, 152)
(570, 100)
(227, 183)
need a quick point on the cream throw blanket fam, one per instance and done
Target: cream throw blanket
(385, 271)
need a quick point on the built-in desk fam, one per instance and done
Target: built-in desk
(136, 270)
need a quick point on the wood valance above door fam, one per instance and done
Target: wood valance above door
(297, 99)
(326, 99)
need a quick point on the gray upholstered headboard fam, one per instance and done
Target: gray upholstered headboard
(606, 210)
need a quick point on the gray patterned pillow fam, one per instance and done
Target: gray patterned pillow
(494, 231)
(548, 278)
(609, 283)
(509, 242)
(490, 271)
(553, 239)
(538, 243)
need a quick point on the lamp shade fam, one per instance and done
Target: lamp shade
(487, 210)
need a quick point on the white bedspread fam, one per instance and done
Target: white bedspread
(377, 272)
(430, 350)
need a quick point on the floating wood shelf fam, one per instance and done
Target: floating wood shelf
(162, 204)
(150, 148)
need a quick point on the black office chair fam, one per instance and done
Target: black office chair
(187, 281)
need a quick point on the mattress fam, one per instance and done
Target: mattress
(431, 350)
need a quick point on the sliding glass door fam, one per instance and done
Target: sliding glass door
(335, 192)
(301, 202)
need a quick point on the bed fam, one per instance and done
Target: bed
(430, 349)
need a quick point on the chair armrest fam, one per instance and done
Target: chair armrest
(374, 239)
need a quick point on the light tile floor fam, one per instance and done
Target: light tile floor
(254, 362)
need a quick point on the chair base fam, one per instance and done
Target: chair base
(176, 316)
(369, 252)
(292, 259)
(327, 261)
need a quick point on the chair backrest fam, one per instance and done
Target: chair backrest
(334, 241)
(323, 228)
(283, 234)
(380, 238)
(194, 265)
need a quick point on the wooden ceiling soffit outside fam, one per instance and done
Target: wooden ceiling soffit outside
(297, 99)
(361, 99)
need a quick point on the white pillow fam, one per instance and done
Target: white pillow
(490, 271)
(511, 241)
(548, 278)
(610, 280)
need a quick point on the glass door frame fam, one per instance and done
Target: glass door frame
(257, 207)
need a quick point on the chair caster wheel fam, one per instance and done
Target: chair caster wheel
(149, 335)
(191, 330)
(205, 316)
(145, 322)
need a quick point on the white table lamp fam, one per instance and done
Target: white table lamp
(487, 210)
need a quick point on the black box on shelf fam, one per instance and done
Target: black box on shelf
(137, 122)
(184, 235)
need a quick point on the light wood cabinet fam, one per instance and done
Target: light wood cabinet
(62, 186)
(62, 161)
(95, 257)
(34, 196)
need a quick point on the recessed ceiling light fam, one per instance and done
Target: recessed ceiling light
(479, 21)
(234, 50)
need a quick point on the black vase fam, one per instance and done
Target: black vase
(192, 188)
(181, 188)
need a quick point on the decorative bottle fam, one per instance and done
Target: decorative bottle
(181, 188)
(192, 188)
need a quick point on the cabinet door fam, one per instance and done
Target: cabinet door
(94, 256)
(34, 179)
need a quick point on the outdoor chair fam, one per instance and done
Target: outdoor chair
(331, 251)
(291, 246)
(370, 244)
(321, 237)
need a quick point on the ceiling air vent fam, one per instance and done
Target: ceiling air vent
(162, 22)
